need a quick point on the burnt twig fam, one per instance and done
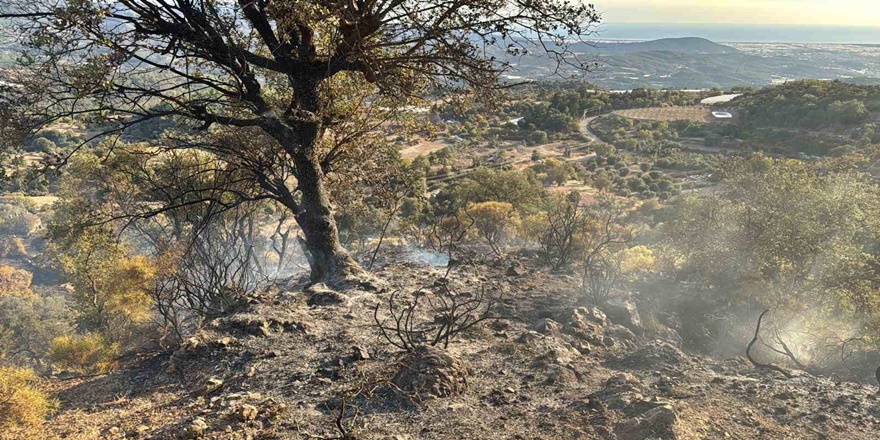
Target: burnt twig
(760, 365)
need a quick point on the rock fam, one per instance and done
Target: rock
(432, 372)
(190, 344)
(623, 312)
(657, 423)
(360, 354)
(587, 315)
(196, 429)
(529, 336)
(247, 412)
(622, 382)
(547, 327)
(586, 324)
(654, 354)
(620, 332)
(515, 270)
(321, 295)
(211, 385)
(225, 341)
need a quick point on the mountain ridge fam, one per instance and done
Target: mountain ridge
(691, 45)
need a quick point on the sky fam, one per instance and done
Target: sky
(790, 12)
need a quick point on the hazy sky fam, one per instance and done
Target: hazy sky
(830, 12)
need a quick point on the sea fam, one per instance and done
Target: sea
(734, 33)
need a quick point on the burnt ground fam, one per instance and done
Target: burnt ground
(310, 364)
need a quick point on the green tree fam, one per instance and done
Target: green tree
(311, 78)
(793, 237)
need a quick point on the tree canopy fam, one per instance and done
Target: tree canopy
(307, 84)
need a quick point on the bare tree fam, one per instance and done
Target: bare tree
(294, 71)
(755, 339)
(449, 313)
(605, 237)
(566, 220)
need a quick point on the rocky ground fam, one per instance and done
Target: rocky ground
(310, 363)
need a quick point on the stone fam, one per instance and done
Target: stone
(623, 312)
(360, 354)
(587, 314)
(196, 429)
(657, 423)
(432, 372)
(247, 412)
(211, 385)
(547, 327)
(515, 270)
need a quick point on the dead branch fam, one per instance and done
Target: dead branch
(760, 365)
(788, 353)
(449, 313)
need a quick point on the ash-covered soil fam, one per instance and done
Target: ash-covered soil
(310, 363)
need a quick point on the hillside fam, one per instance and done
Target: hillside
(309, 363)
(692, 45)
(697, 63)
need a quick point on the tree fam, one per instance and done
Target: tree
(848, 112)
(603, 241)
(15, 281)
(493, 221)
(28, 324)
(558, 229)
(603, 150)
(313, 78)
(538, 137)
(796, 238)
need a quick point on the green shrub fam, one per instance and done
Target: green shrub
(23, 407)
(85, 354)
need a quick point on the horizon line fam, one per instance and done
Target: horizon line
(743, 24)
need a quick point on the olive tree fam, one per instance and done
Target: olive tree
(314, 77)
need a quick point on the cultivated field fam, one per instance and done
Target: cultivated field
(692, 113)
(423, 148)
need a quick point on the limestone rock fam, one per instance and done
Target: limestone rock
(430, 371)
(247, 412)
(657, 423)
(211, 385)
(623, 312)
(547, 326)
(194, 430)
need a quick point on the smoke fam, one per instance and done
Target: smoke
(422, 256)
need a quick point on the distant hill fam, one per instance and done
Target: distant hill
(690, 45)
(698, 63)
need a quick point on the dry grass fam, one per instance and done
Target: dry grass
(38, 201)
(423, 148)
(693, 113)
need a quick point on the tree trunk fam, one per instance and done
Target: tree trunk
(328, 260)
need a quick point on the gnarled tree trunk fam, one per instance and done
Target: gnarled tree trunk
(328, 260)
